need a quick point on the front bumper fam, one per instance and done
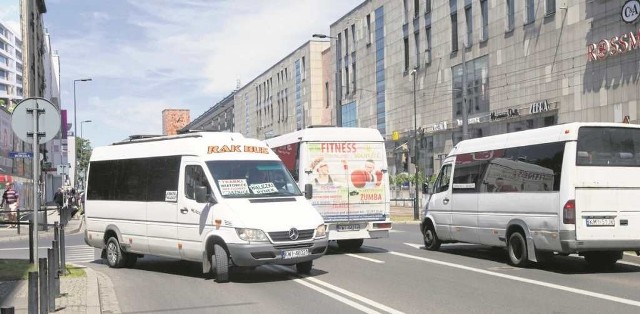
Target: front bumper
(256, 254)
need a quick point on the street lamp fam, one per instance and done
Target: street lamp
(75, 129)
(338, 87)
(414, 73)
(81, 122)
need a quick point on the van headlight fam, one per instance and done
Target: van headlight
(252, 235)
(321, 231)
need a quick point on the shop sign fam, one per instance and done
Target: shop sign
(616, 45)
(440, 126)
(469, 121)
(538, 107)
(630, 11)
(508, 113)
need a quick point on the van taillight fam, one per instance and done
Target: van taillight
(569, 212)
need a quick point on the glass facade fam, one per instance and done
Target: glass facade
(350, 115)
(477, 90)
(299, 109)
(380, 79)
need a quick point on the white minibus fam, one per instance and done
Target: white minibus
(347, 168)
(216, 198)
(570, 188)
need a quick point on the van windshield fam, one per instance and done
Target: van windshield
(252, 178)
(608, 146)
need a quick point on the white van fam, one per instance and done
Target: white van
(347, 168)
(564, 189)
(216, 198)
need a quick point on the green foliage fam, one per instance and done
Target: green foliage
(83, 151)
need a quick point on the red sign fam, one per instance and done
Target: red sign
(615, 46)
(287, 154)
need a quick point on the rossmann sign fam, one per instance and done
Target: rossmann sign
(613, 46)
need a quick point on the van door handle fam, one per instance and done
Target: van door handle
(184, 210)
(445, 201)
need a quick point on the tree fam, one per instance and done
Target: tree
(83, 151)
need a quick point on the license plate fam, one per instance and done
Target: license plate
(294, 253)
(354, 227)
(599, 222)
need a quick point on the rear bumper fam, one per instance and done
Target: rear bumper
(366, 230)
(268, 253)
(569, 244)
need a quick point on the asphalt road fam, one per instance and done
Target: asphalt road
(386, 276)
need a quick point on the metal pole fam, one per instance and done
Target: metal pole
(63, 265)
(415, 147)
(465, 109)
(33, 292)
(44, 293)
(18, 219)
(31, 254)
(36, 170)
(56, 263)
(51, 280)
(75, 134)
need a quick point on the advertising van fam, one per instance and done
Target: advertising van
(565, 189)
(347, 168)
(216, 198)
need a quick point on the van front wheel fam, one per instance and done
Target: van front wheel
(222, 263)
(431, 241)
(517, 248)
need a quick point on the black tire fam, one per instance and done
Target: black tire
(602, 260)
(431, 240)
(131, 260)
(222, 263)
(304, 267)
(517, 250)
(115, 257)
(350, 245)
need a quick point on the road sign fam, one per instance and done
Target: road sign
(20, 155)
(22, 120)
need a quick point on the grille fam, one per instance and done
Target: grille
(283, 236)
(293, 246)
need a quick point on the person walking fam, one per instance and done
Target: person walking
(10, 199)
(58, 198)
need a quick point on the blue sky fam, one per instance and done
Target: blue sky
(148, 55)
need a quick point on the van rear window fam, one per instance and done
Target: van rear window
(608, 147)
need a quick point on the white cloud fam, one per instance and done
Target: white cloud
(10, 15)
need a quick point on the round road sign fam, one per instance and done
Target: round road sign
(48, 120)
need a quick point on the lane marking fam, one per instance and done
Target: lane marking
(366, 258)
(315, 284)
(529, 281)
(413, 245)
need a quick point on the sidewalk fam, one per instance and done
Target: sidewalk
(93, 293)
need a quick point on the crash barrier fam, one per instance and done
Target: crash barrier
(24, 217)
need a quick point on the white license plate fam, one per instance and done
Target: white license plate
(598, 222)
(294, 253)
(354, 227)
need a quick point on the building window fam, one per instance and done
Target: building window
(550, 7)
(346, 42)
(530, 12)
(477, 95)
(405, 4)
(511, 15)
(303, 69)
(346, 75)
(406, 54)
(427, 50)
(468, 15)
(381, 124)
(416, 8)
(350, 115)
(353, 75)
(484, 10)
(416, 36)
(427, 6)
(454, 32)
(353, 37)
(326, 94)
(368, 29)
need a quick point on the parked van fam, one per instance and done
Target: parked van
(216, 198)
(347, 168)
(570, 188)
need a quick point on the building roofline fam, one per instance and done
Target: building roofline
(348, 13)
(212, 108)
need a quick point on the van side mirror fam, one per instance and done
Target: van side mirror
(308, 191)
(202, 196)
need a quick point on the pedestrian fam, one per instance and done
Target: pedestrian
(58, 198)
(10, 198)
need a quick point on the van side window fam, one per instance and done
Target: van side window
(442, 182)
(194, 176)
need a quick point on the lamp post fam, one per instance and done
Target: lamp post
(75, 130)
(414, 73)
(337, 77)
(81, 122)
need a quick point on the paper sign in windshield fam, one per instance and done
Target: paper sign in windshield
(263, 188)
(233, 187)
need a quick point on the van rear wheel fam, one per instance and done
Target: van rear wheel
(116, 258)
(222, 263)
(431, 241)
(517, 248)
(350, 245)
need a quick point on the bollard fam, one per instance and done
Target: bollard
(33, 292)
(56, 263)
(7, 310)
(44, 295)
(51, 271)
(31, 253)
(63, 264)
(45, 224)
(18, 220)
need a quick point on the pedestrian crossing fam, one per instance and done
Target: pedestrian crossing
(81, 254)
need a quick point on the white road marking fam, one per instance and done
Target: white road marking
(525, 280)
(315, 284)
(366, 258)
(417, 246)
(80, 254)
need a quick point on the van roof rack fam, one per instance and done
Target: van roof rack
(141, 136)
(320, 126)
(193, 131)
